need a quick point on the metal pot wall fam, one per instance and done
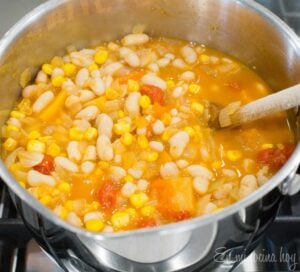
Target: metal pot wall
(239, 27)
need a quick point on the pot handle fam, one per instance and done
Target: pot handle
(291, 184)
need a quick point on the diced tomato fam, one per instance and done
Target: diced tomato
(46, 166)
(146, 222)
(275, 158)
(107, 195)
(134, 75)
(156, 94)
(175, 198)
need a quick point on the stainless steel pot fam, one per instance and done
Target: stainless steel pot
(241, 28)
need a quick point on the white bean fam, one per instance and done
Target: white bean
(175, 120)
(57, 72)
(66, 164)
(117, 173)
(105, 125)
(152, 79)
(86, 95)
(35, 178)
(87, 167)
(92, 215)
(157, 146)
(177, 92)
(188, 76)
(41, 77)
(248, 185)
(182, 163)
(90, 153)
(43, 100)
(14, 121)
(97, 85)
(104, 148)
(197, 170)
(135, 39)
(118, 158)
(73, 151)
(82, 77)
(128, 189)
(30, 159)
(132, 104)
(82, 124)
(130, 57)
(163, 62)
(88, 113)
(189, 54)
(153, 67)
(178, 143)
(112, 68)
(210, 208)
(158, 127)
(179, 63)
(30, 91)
(73, 103)
(169, 56)
(169, 169)
(136, 173)
(73, 219)
(141, 131)
(200, 185)
(142, 184)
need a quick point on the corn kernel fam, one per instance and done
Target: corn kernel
(34, 134)
(101, 56)
(121, 114)
(132, 213)
(22, 184)
(147, 211)
(45, 200)
(111, 94)
(25, 106)
(152, 156)
(57, 81)
(11, 128)
(69, 205)
(91, 134)
(36, 146)
(57, 62)
(234, 155)
(55, 192)
(94, 225)
(15, 167)
(144, 101)
(267, 146)
(138, 200)
(53, 150)
(128, 178)
(166, 118)
(76, 134)
(64, 187)
(204, 59)
(133, 85)
(17, 114)
(198, 107)
(120, 219)
(143, 141)
(127, 139)
(47, 68)
(63, 213)
(166, 136)
(121, 127)
(194, 88)
(10, 144)
(92, 67)
(216, 164)
(170, 84)
(103, 164)
(69, 69)
(190, 131)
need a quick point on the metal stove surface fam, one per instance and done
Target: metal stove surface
(279, 251)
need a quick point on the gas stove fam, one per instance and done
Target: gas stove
(278, 251)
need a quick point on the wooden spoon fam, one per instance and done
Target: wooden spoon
(234, 114)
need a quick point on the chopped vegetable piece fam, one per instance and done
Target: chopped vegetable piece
(156, 94)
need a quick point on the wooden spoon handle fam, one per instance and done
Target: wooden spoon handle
(280, 101)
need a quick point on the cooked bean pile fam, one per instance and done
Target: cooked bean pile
(117, 137)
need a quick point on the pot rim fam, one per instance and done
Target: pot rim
(185, 225)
